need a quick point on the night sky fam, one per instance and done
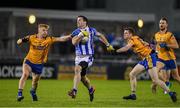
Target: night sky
(40, 4)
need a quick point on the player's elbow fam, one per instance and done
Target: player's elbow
(74, 42)
(177, 46)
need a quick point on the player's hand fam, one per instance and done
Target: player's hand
(163, 45)
(19, 41)
(85, 33)
(110, 48)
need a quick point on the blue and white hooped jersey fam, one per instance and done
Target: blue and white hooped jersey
(87, 48)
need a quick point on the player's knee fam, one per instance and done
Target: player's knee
(176, 77)
(25, 76)
(36, 80)
(77, 69)
(155, 81)
(158, 70)
(131, 75)
(83, 78)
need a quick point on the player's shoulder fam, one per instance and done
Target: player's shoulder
(76, 32)
(135, 37)
(157, 33)
(169, 33)
(132, 38)
(93, 31)
(32, 36)
(49, 37)
(92, 28)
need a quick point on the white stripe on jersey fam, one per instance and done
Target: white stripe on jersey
(89, 42)
(83, 49)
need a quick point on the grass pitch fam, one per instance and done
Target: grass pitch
(53, 93)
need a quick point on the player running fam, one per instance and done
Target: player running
(165, 45)
(38, 53)
(148, 63)
(83, 41)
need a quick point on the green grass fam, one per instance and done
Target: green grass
(53, 93)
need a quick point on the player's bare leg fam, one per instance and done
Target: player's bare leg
(154, 76)
(166, 76)
(133, 81)
(35, 80)
(159, 67)
(90, 88)
(24, 77)
(77, 79)
(77, 76)
(158, 70)
(175, 75)
(162, 74)
(86, 82)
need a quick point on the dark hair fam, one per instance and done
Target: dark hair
(165, 19)
(130, 29)
(84, 18)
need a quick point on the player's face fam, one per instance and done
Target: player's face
(162, 25)
(127, 34)
(81, 23)
(43, 31)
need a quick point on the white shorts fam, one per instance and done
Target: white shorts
(87, 58)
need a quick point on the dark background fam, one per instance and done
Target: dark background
(41, 4)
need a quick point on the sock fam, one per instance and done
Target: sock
(133, 92)
(167, 83)
(170, 93)
(20, 92)
(75, 90)
(90, 89)
(33, 91)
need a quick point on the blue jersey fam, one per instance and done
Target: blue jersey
(85, 48)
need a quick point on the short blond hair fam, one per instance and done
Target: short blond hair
(43, 25)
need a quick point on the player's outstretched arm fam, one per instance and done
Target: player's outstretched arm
(124, 49)
(63, 38)
(21, 40)
(104, 40)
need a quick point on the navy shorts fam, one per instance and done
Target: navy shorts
(168, 64)
(36, 68)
